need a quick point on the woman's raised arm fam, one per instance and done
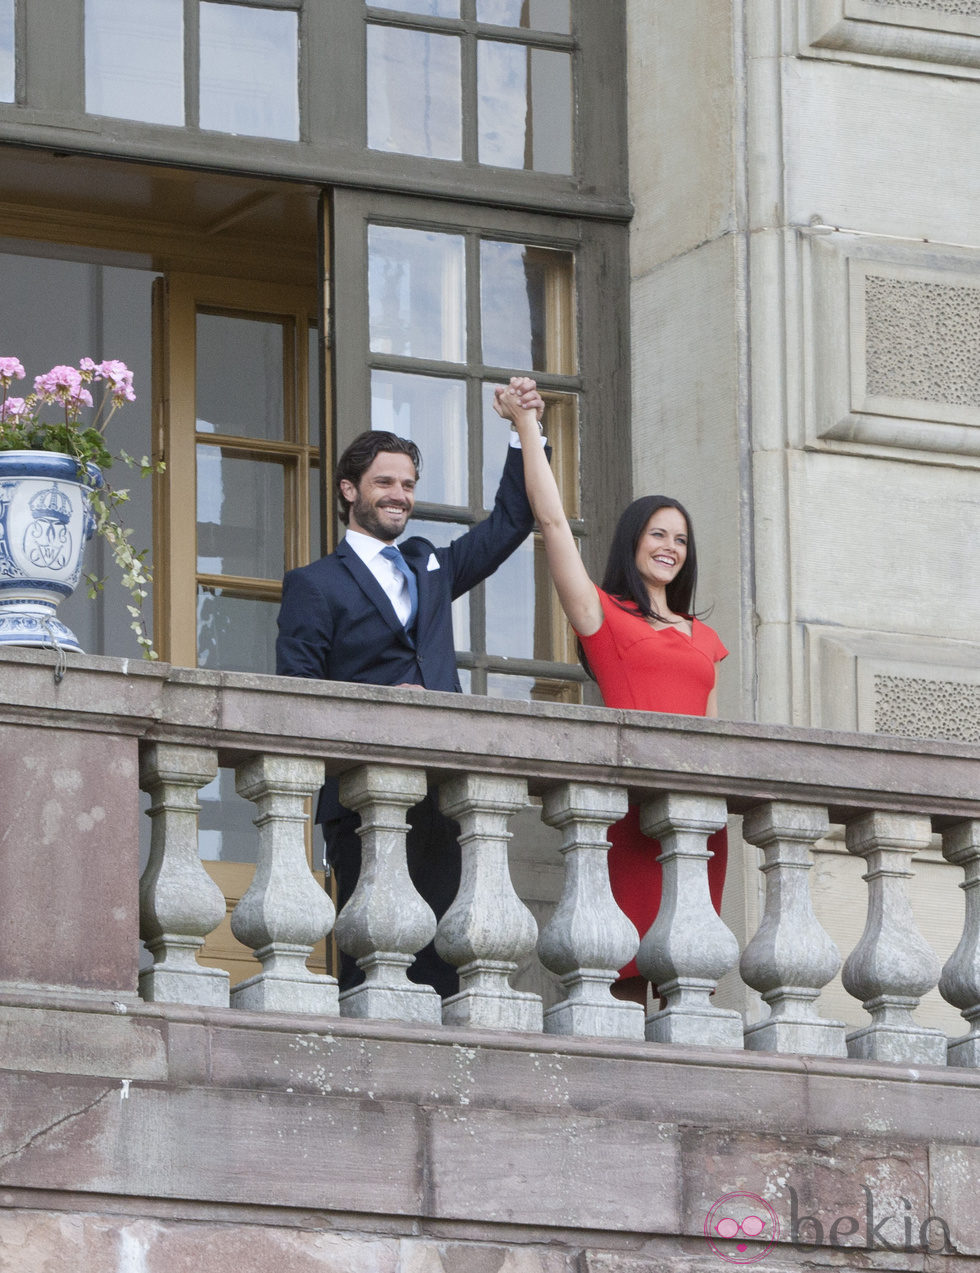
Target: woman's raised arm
(519, 402)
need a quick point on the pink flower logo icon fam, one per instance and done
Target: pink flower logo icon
(741, 1228)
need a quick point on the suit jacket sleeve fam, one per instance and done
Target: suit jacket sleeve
(305, 628)
(481, 550)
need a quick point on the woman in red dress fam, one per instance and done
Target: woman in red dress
(643, 644)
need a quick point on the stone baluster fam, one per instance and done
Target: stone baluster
(588, 938)
(960, 982)
(791, 958)
(385, 922)
(179, 902)
(488, 931)
(892, 966)
(688, 948)
(285, 912)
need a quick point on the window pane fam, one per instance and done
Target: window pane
(510, 607)
(538, 15)
(525, 107)
(526, 307)
(416, 295)
(442, 534)
(240, 515)
(239, 377)
(432, 412)
(250, 71)
(515, 688)
(6, 50)
(427, 8)
(225, 827)
(413, 87)
(134, 60)
(235, 634)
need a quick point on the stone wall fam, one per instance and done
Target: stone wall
(806, 306)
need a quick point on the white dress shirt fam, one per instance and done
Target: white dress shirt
(388, 575)
(386, 572)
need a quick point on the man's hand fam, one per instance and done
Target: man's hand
(521, 394)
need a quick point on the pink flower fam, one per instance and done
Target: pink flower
(60, 382)
(13, 409)
(119, 376)
(80, 398)
(86, 364)
(11, 369)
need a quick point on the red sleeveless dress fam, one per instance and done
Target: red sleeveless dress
(645, 669)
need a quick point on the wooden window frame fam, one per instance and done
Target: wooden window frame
(179, 298)
(601, 390)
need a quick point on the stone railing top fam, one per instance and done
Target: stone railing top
(346, 724)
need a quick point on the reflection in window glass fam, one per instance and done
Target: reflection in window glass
(525, 305)
(442, 534)
(525, 107)
(432, 412)
(427, 8)
(249, 71)
(413, 92)
(239, 377)
(225, 827)
(516, 688)
(416, 293)
(240, 515)
(538, 15)
(510, 606)
(7, 78)
(134, 60)
(235, 634)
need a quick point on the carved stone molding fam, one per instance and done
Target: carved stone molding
(881, 684)
(894, 334)
(937, 36)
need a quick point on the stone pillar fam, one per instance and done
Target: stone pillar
(892, 966)
(386, 922)
(179, 902)
(791, 958)
(285, 911)
(488, 931)
(960, 981)
(688, 948)
(588, 938)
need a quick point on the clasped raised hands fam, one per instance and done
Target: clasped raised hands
(519, 396)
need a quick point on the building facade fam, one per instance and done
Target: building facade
(736, 242)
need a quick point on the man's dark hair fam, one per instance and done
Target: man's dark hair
(361, 454)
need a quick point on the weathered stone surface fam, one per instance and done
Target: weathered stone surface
(39, 1241)
(68, 814)
(539, 1164)
(61, 1042)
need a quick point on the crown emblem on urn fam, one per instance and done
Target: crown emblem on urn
(51, 504)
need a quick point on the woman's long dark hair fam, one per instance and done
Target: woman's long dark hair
(622, 579)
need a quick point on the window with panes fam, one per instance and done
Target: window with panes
(451, 313)
(497, 116)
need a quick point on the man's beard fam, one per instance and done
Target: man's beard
(366, 516)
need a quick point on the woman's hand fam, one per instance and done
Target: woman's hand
(518, 397)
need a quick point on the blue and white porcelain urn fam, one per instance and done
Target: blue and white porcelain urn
(46, 520)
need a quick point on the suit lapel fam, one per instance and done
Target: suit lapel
(370, 587)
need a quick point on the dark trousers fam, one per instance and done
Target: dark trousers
(434, 866)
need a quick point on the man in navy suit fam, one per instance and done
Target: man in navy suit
(379, 615)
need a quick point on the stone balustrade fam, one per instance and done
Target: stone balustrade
(169, 729)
